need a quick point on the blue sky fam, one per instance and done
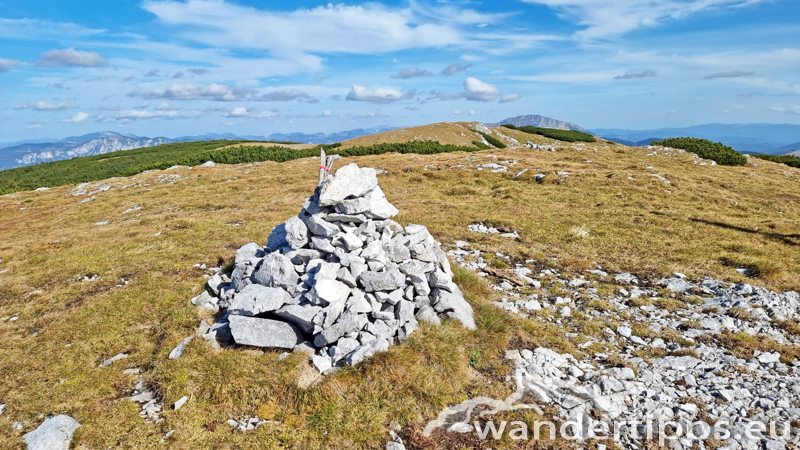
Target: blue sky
(171, 68)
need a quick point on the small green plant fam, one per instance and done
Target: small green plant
(475, 358)
(715, 151)
(554, 133)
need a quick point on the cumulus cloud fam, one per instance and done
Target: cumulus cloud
(7, 64)
(238, 111)
(478, 91)
(411, 73)
(510, 98)
(283, 96)
(475, 90)
(214, 91)
(335, 97)
(730, 74)
(378, 95)
(197, 71)
(77, 118)
(143, 105)
(631, 76)
(178, 74)
(71, 57)
(153, 73)
(453, 69)
(43, 106)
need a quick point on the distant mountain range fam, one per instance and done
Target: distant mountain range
(16, 154)
(773, 139)
(538, 121)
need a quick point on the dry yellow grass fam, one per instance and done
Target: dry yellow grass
(270, 144)
(707, 221)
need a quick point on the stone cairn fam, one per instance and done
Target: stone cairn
(340, 281)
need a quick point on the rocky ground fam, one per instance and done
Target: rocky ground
(667, 350)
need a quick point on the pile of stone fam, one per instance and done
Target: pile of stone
(341, 280)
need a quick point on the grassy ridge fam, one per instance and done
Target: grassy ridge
(98, 167)
(715, 151)
(132, 162)
(789, 160)
(553, 133)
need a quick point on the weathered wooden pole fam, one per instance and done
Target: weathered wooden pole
(325, 165)
(322, 167)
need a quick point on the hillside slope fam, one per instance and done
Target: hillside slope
(91, 271)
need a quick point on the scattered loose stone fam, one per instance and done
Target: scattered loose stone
(55, 433)
(182, 401)
(177, 352)
(113, 359)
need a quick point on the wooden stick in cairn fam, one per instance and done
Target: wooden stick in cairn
(325, 165)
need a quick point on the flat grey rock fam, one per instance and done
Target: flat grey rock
(302, 316)
(256, 299)
(328, 291)
(54, 433)
(349, 181)
(382, 281)
(318, 226)
(263, 332)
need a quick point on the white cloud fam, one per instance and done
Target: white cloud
(326, 113)
(134, 115)
(165, 106)
(603, 19)
(43, 106)
(370, 28)
(478, 91)
(786, 110)
(378, 95)
(71, 57)
(214, 91)
(34, 29)
(242, 112)
(77, 118)
(468, 112)
(474, 90)
(7, 64)
(283, 96)
(510, 98)
(455, 68)
(143, 105)
(411, 73)
(238, 111)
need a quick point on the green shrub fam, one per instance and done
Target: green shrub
(132, 162)
(553, 133)
(789, 160)
(715, 151)
(491, 139)
(481, 145)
